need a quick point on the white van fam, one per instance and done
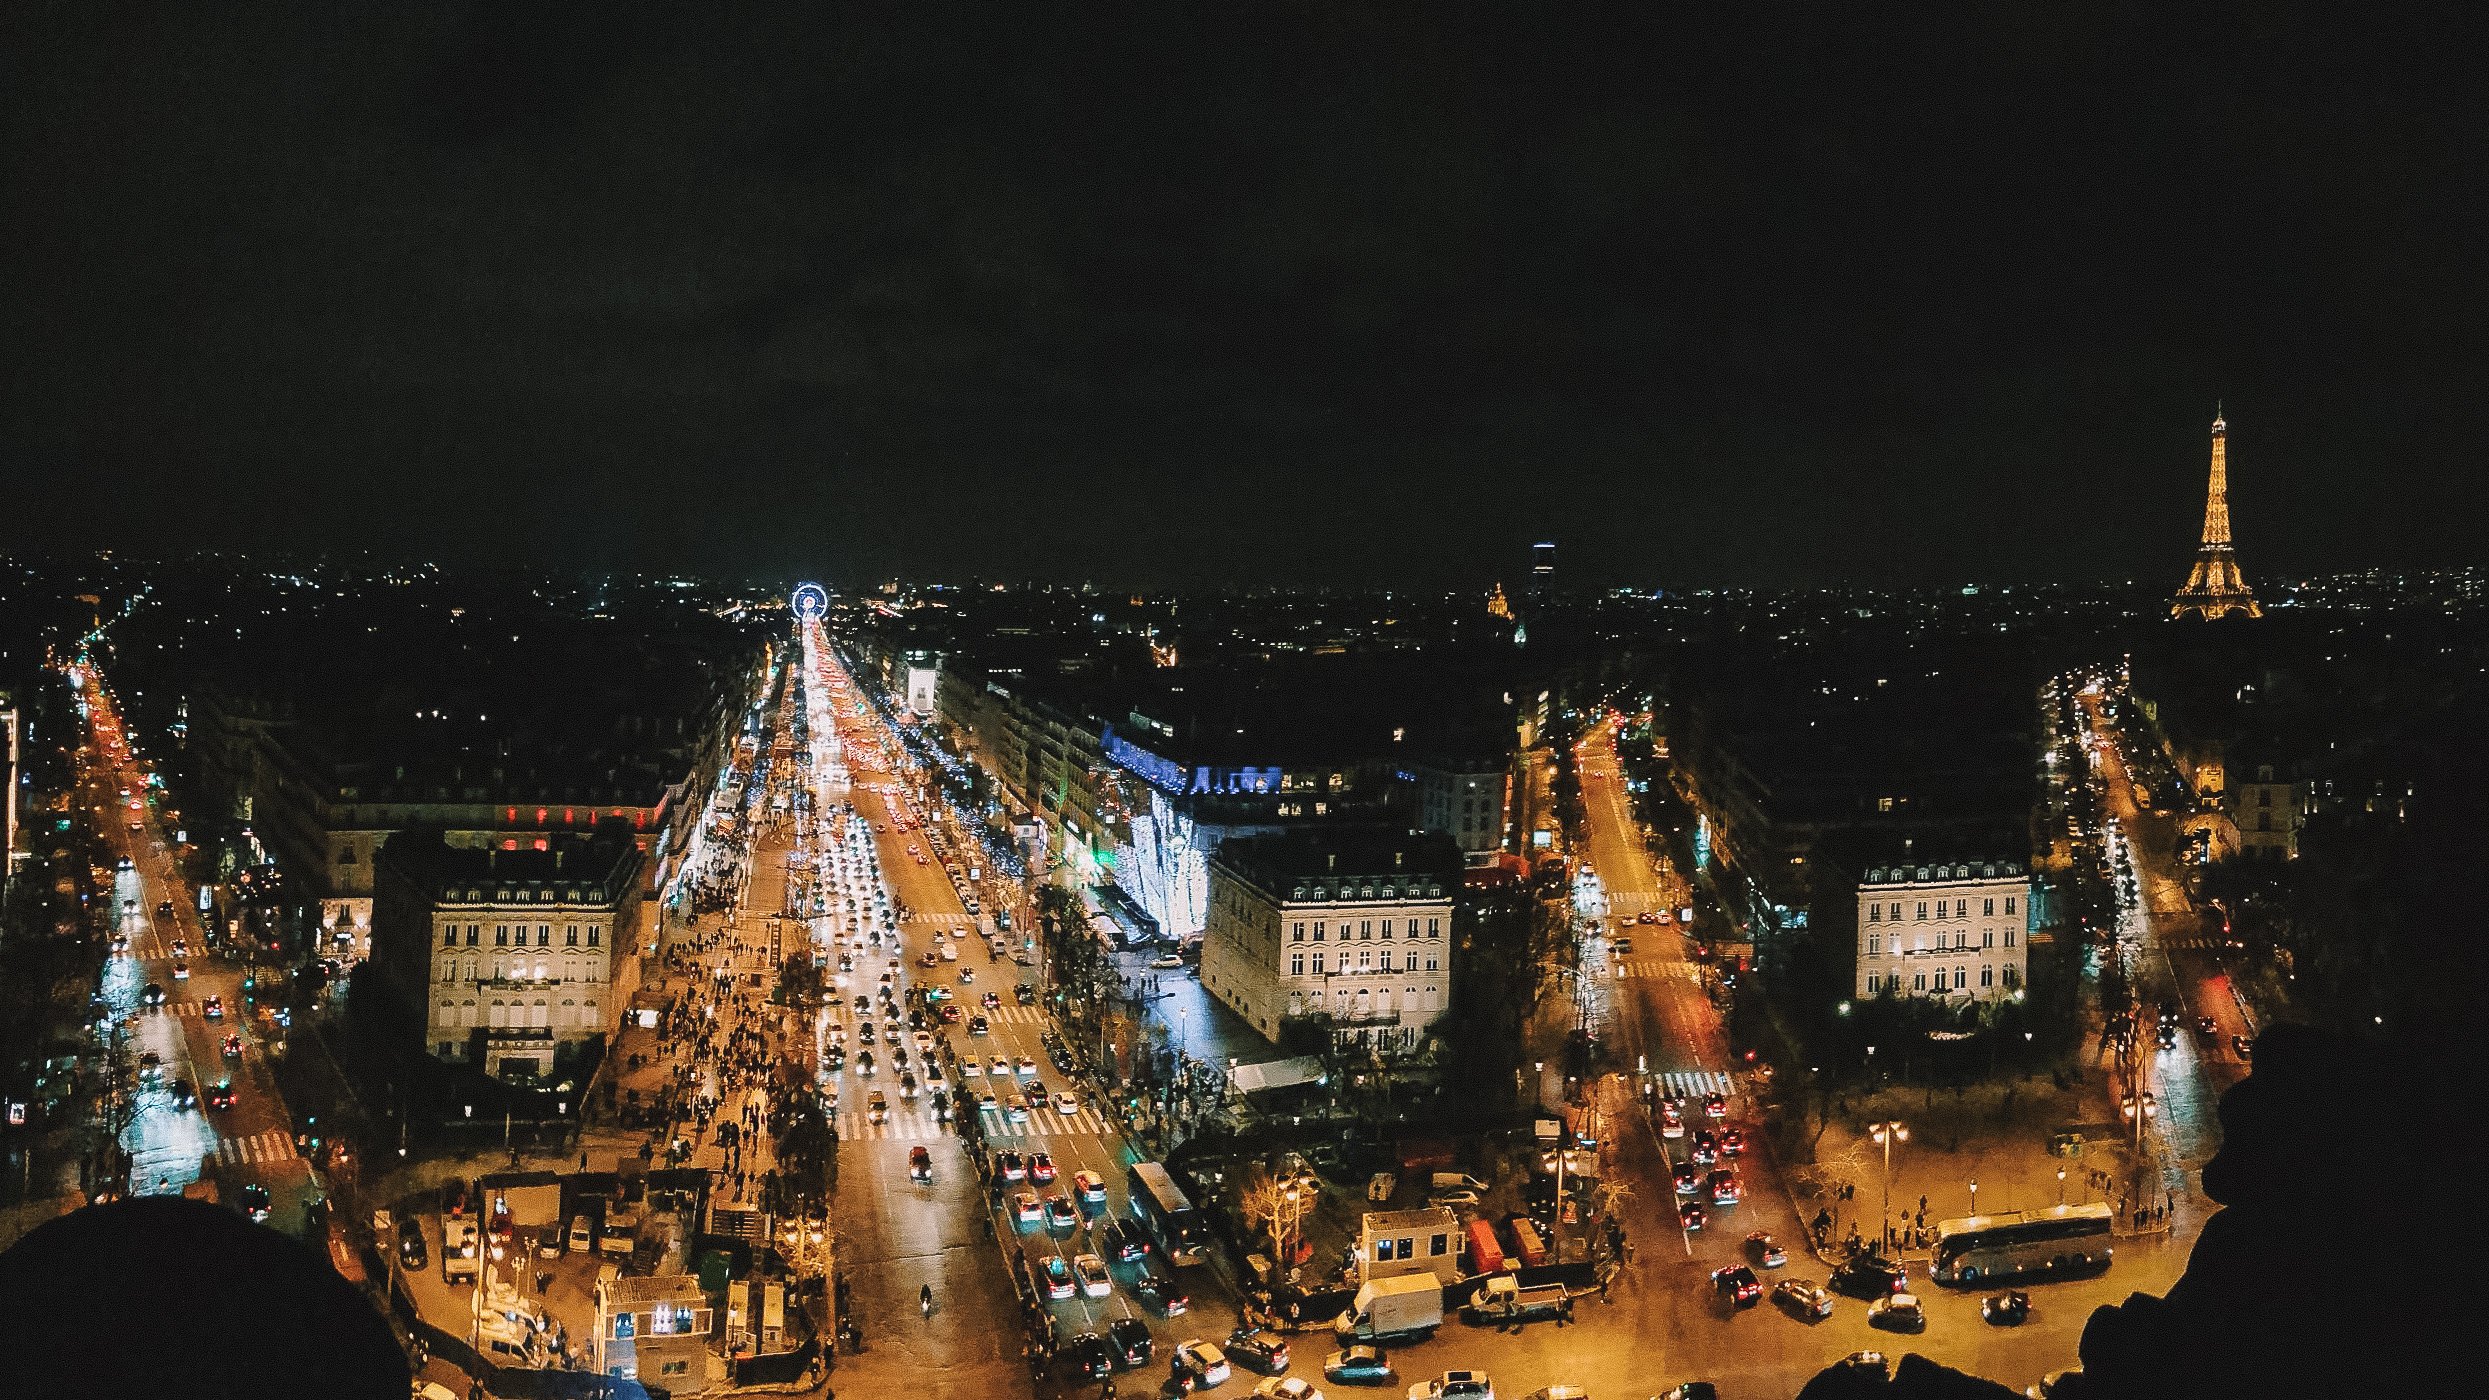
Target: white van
(1455, 1181)
(582, 1238)
(459, 1249)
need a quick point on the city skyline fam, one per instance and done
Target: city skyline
(511, 284)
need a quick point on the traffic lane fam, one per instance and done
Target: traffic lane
(896, 1237)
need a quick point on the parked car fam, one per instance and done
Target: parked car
(1764, 1250)
(1738, 1285)
(1129, 1338)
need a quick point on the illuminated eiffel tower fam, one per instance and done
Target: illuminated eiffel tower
(2214, 586)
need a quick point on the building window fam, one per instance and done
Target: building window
(2009, 904)
(1317, 964)
(2009, 936)
(449, 937)
(572, 936)
(594, 933)
(1875, 945)
(2013, 975)
(1987, 938)
(544, 935)
(1987, 975)
(1961, 978)
(1317, 930)
(1922, 910)
(1875, 913)
(1918, 981)
(1987, 908)
(1298, 936)
(474, 931)
(1961, 908)
(1434, 928)
(1365, 928)
(1365, 958)
(1296, 964)
(1387, 959)
(501, 935)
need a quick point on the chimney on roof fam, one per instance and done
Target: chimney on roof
(1332, 861)
(1396, 858)
(558, 853)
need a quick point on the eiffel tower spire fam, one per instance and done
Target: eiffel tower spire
(2214, 587)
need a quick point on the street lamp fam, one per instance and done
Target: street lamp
(1974, 1195)
(2061, 1186)
(1886, 1132)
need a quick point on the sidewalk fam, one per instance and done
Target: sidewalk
(1994, 1135)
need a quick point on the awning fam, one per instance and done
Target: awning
(1277, 1074)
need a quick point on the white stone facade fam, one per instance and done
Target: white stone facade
(1944, 930)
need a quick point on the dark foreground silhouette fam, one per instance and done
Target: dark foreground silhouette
(161, 1296)
(2328, 1268)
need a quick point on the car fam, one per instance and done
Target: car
(1715, 1105)
(181, 947)
(2242, 1047)
(1036, 1090)
(920, 1165)
(1455, 1385)
(1202, 1361)
(1056, 1274)
(1287, 1388)
(864, 1062)
(1040, 1167)
(1026, 1068)
(183, 1095)
(1690, 1390)
(1088, 1357)
(1764, 1250)
(1802, 1298)
(1452, 1199)
(1724, 1188)
(978, 1025)
(1025, 1209)
(1671, 1122)
(1867, 1276)
(923, 1040)
(214, 1009)
(1000, 1068)
(411, 1251)
(1089, 1186)
(1358, 1365)
(877, 1108)
(987, 1103)
(1733, 1142)
(150, 1065)
(2009, 1309)
(1576, 1161)
(1129, 1339)
(255, 1201)
(1738, 1284)
(1120, 1240)
(1010, 1167)
(181, 972)
(1059, 1214)
(1706, 1148)
(1066, 1102)
(1620, 946)
(1869, 1362)
(1160, 1292)
(1166, 962)
(1897, 1312)
(1095, 1282)
(1688, 1181)
(220, 1095)
(991, 1001)
(1690, 1215)
(1258, 1349)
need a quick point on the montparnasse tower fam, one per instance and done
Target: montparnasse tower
(2214, 587)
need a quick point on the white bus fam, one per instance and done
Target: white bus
(2060, 1241)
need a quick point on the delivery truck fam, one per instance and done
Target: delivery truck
(1389, 1309)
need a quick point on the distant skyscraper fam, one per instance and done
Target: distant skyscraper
(2214, 587)
(1542, 570)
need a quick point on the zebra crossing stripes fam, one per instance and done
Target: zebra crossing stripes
(195, 1010)
(1650, 970)
(918, 1124)
(1693, 1084)
(2214, 945)
(274, 1145)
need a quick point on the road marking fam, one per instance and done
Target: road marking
(1690, 1084)
(272, 1145)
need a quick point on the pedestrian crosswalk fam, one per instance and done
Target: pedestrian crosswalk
(919, 1124)
(1654, 969)
(2210, 945)
(1692, 1083)
(274, 1145)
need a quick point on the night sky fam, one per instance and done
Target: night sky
(1316, 293)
